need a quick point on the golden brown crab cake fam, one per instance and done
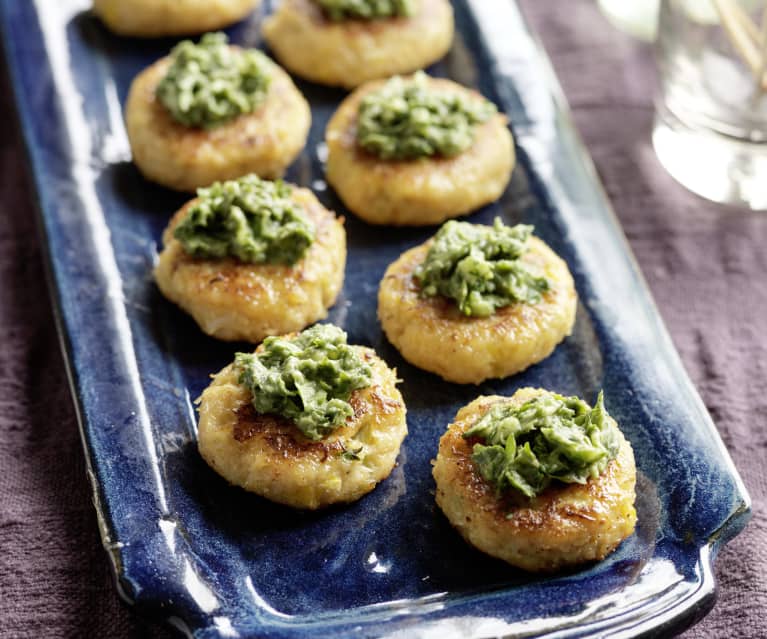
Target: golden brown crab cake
(234, 300)
(433, 334)
(350, 52)
(160, 18)
(269, 456)
(566, 525)
(185, 158)
(422, 191)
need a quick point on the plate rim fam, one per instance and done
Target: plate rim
(684, 615)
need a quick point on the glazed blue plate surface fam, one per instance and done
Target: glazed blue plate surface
(218, 562)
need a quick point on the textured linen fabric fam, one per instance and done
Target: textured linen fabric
(705, 264)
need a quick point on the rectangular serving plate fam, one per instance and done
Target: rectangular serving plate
(215, 561)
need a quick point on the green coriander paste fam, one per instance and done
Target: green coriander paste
(366, 9)
(480, 268)
(210, 83)
(248, 218)
(549, 437)
(408, 118)
(308, 379)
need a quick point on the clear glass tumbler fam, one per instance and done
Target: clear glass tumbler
(638, 18)
(710, 129)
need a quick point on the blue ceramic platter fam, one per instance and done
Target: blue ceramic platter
(217, 562)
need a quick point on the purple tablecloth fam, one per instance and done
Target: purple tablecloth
(705, 264)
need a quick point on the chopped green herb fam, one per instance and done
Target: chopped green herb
(248, 218)
(352, 455)
(407, 119)
(480, 268)
(210, 83)
(548, 437)
(308, 379)
(366, 9)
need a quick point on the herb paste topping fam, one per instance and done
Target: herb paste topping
(480, 268)
(248, 218)
(308, 378)
(366, 9)
(407, 119)
(548, 437)
(210, 83)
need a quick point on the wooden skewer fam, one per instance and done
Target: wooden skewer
(733, 8)
(745, 36)
(761, 79)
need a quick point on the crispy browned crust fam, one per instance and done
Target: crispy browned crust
(281, 437)
(233, 300)
(433, 334)
(566, 525)
(417, 192)
(270, 456)
(350, 52)
(161, 18)
(185, 158)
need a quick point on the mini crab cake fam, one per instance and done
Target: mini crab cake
(504, 497)
(333, 444)
(212, 112)
(159, 18)
(477, 302)
(417, 151)
(345, 43)
(278, 272)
